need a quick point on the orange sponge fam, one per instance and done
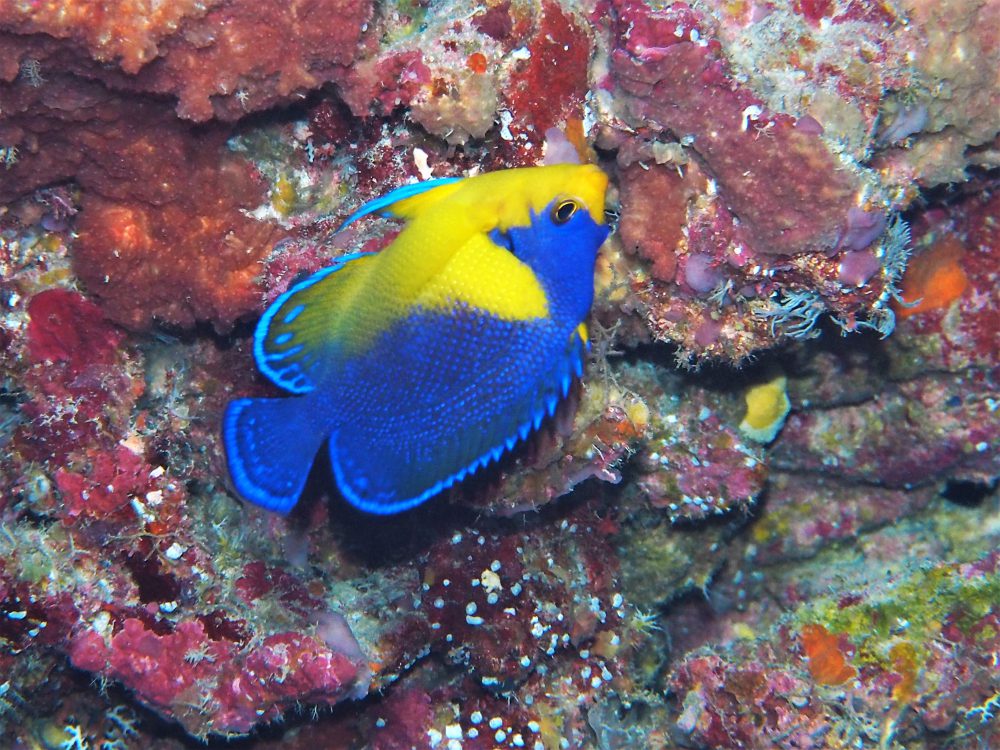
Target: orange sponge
(934, 279)
(827, 663)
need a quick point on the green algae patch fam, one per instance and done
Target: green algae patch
(946, 601)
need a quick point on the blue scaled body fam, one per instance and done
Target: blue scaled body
(413, 396)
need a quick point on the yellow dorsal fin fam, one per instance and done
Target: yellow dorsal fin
(305, 326)
(410, 208)
(408, 201)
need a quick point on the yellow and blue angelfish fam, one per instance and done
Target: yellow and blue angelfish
(426, 361)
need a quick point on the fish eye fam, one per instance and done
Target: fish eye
(563, 211)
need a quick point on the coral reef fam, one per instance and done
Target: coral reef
(871, 662)
(166, 235)
(219, 59)
(170, 241)
(756, 181)
(521, 64)
(162, 206)
(744, 528)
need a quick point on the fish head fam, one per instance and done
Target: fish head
(506, 198)
(583, 185)
(532, 190)
(560, 247)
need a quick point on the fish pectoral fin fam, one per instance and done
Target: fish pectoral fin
(407, 201)
(270, 446)
(298, 332)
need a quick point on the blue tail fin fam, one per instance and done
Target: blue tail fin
(270, 445)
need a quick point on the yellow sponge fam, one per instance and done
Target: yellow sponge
(767, 407)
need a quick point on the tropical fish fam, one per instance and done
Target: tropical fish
(428, 360)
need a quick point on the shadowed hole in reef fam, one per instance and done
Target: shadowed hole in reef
(379, 540)
(11, 416)
(153, 583)
(372, 539)
(967, 493)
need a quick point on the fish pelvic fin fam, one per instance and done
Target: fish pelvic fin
(299, 332)
(270, 447)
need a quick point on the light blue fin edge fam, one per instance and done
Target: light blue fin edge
(244, 485)
(394, 196)
(574, 368)
(291, 378)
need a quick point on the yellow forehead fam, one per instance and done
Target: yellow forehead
(506, 198)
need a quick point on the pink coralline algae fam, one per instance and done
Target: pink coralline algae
(708, 684)
(806, 513)
(220, 59)
(946, 359)
(186, 671)
(763, 212)
(783, 185)
(957, 323)
(694, 465)
(67, 330)
(501, 615)
(943, 438)
(530, 74)
(847, 640)
(763, 200)
(107, 486)
(79, 379)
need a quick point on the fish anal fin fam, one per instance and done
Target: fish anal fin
(409, 445)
